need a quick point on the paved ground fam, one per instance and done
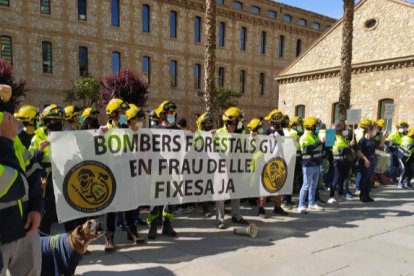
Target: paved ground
(348, 239)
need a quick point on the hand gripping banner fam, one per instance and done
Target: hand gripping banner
(96, 173)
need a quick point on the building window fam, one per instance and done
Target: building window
(242, 81)
(300, 111)
(281, 47)
(263, 43)
(335, 113)
(115, 13)
(298, 47)
(45, 6)
(146, 67)
(262, 83)
(255, 10)
(316, 26)
(197, 29)
(302, 22)
(222, 33)
(197, 76)
(5, 3)
(83, 62)
(381, 110)
(6, 51)
(237, 5)
(287, 18)
(116, 62)
(47, 57)
(173, 24)
(146, 18)
(220, 2)
(243, 37)
(173, 73)
(82, 10)
(221, 77)
(271, 14)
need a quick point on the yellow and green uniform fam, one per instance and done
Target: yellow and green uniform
(311, 148)
(340, 147)
(40, 136)
(407, 146)
(294, 133)
(395, 138)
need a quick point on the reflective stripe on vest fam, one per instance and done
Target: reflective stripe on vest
(18, 202)
(7, 177)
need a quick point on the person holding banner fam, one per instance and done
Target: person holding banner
(167, 113)
(52, 117)
(116, 111)
(312, 151)
(233, 123)
(89, 118)
(366, 154)
(275, 118)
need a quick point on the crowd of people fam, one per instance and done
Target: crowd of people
(27, 202)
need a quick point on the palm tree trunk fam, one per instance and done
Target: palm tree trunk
(210, 55)
(346, 59)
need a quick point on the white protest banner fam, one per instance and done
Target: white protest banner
(96, 173)
(353, 116)
(389, 111)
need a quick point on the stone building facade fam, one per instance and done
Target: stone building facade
(43, 39)
(383, 66)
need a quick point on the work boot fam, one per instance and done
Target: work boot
(262, 212)
(109, 242)
(152, 233)
(279, 211)
(167, 229)
(132, 235)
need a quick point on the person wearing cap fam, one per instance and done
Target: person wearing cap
(72, 114)
(52, 117)
(341, 151)
(167, 114)
(275, 119)
(20, 198)
(233, 123)
(312, 151)
(117, 110)
(407, 147)
(153, 119)
(366, 154)
(89, 118)
(28, 115)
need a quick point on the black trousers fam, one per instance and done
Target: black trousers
(49, 215)
(111, 218)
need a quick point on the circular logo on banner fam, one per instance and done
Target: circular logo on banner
(274, 174)
(89, 186)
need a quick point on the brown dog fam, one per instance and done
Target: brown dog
(62, 253)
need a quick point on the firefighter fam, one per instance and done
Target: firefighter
(89, 118)
(28, 115)
(72, 114)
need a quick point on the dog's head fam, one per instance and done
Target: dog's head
(91, 230)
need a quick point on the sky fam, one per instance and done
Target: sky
(331, 8)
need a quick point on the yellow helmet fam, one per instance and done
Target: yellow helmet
(115, 105)
(72, 111)
(380, 123)
(27, 113)
(205, 119)
(310, 122)
(134, 111)
(233, 114)
(86, 113)
(295, 121)
(275, 116)
(53, 111)
(411, 132)
(254, 124)
(165, 106)
(365, 122)
(402, 123)
(5, 93)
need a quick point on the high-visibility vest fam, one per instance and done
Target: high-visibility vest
(40, 136)
(340, 143)
(407, 145)
(395, 138)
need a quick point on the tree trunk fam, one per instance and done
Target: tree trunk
(346, 59)
(210, 55)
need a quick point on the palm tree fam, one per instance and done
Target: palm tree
(210, 55)
(346, 59)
